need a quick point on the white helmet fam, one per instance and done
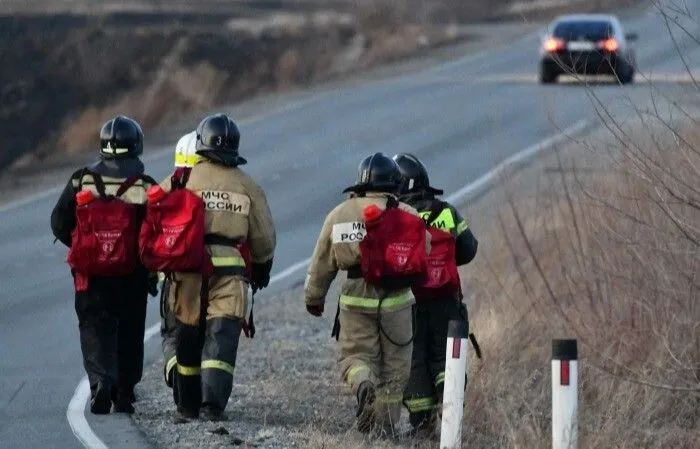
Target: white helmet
(185, 155)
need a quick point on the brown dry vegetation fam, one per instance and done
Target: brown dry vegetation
(606, 250)
(608, 253)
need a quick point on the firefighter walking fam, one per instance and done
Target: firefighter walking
(111, 307)
(375, 334)
(185, 157)
(434, 307)
(236, 213)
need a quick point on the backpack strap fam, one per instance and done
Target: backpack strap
(126, 185)
(436, 209)
(180, 177)
(99, 185)
(391, 201)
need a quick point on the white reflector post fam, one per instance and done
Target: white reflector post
(564, 394)
(453, 396)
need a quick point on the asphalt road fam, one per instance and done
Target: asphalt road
(457, 121)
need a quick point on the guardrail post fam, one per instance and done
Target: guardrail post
(453, 396)
(564, 394)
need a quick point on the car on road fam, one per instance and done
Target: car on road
(587, 44)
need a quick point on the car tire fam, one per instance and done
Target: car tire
(547, 76)
(625, 74)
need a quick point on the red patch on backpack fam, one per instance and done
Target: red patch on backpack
(104, 241)
(172, 234)
(393, 248)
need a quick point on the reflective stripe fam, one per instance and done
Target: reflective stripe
(445, 220)
(184, 160)
(440, 378)
(111, 150)
(354, 371)
(228, 261)
(373, 303)
(217, 364)
(420, 404)
(389, 398)
(188, 370)
(170, 365)
(229, 271)
(462, 226)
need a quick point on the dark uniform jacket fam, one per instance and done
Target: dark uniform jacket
(450, 220)
(63, 219)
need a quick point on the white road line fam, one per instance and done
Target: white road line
(76, 408)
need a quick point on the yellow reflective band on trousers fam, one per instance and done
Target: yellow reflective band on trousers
(233, 261)
(420, 405)
(440, 378)
(354, 371)
(444, 221)
(188, 370)
(170, 364)
(373, 303)
(389, 398)
(217, 364)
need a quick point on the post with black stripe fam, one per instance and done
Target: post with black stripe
(564, 394)
(455, 377)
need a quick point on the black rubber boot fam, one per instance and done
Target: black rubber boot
(210, 412)
(123, 400)
(101, 401)
(365, 406)
(183, 415)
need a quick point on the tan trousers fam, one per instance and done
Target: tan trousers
(228, 297)
(367, 354)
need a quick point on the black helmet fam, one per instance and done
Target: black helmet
(376, 173)
(414, 175)
(218, 139)
(121, 138)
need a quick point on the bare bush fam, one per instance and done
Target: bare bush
(608, 252)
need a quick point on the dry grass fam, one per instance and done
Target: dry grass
(608, 254)
(607, 251)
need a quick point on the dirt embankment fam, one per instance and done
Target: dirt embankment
(65, 74)
(69, 66)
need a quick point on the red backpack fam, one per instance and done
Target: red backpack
(172, 234)
(104, 241)
(393, 248)
(442, 276)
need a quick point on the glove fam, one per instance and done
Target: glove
(315, 310)
(260, 274)
(153, 284)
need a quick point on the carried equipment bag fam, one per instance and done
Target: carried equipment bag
(104, 241)
(442, 276)
(392, 251)
(172, 234)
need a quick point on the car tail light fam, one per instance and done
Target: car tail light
(609, 44)
(553, 44)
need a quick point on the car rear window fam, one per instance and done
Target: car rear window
(588, 30)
